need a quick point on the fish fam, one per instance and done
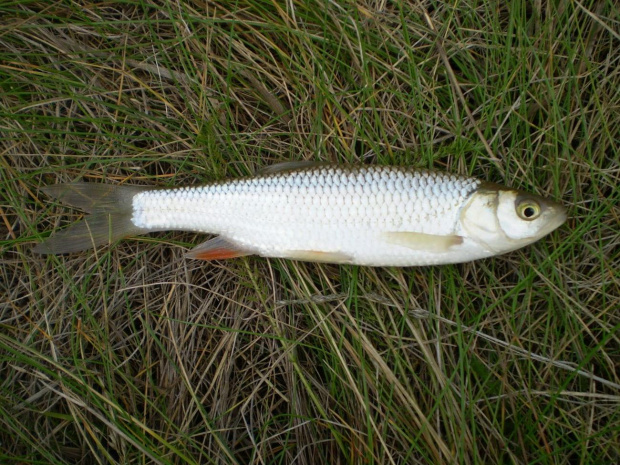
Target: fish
(366, 215)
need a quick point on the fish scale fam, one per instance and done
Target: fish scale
(365, 215)
(328, 209)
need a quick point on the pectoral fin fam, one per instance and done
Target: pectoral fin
(423, 242)
(317, 256)
(217, 248)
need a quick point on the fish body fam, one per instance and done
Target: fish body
(364, 215)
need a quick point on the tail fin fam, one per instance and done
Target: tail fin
(110, 209)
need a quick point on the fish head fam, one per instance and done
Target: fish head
(502, 219)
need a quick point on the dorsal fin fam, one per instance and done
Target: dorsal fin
(289, 166)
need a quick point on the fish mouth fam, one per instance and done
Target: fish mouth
(557, 217)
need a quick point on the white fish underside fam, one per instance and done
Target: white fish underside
(367, 215)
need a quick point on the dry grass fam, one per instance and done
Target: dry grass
(134, 355)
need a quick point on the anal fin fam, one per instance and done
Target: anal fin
(217, 248)
(423, 242)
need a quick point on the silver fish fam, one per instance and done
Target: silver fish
(364, 215)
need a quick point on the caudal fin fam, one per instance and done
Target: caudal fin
(110, 209)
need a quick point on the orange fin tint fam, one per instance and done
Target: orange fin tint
(217, 248)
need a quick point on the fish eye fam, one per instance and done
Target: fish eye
(528, 210)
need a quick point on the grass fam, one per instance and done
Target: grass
(132, 354)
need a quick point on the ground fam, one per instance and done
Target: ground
(134, 354)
